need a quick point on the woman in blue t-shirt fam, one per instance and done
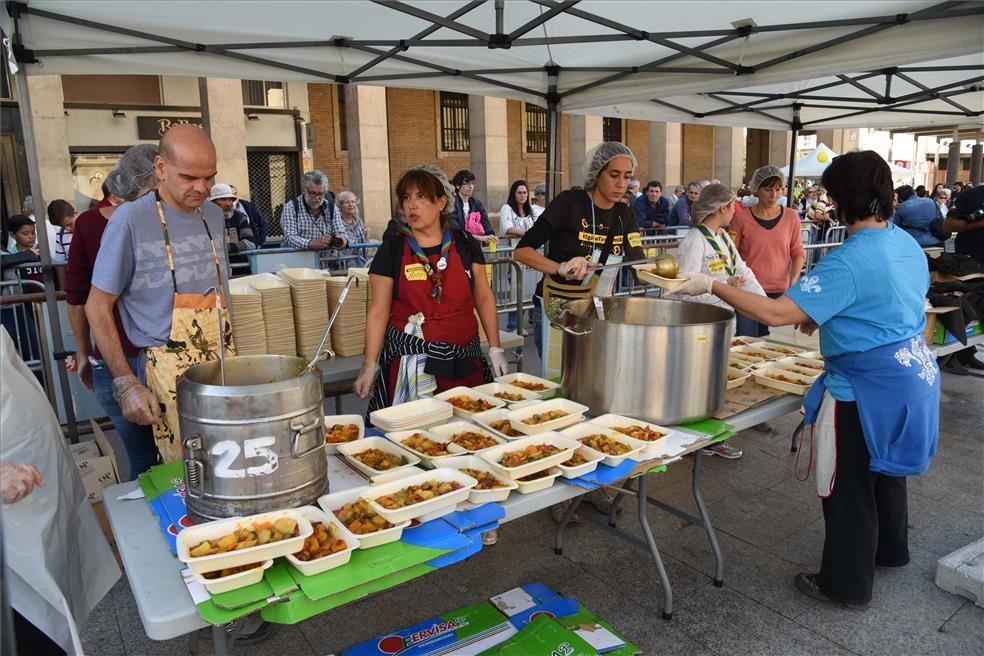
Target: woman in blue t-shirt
(875, 410)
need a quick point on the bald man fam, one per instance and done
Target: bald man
(163, 299)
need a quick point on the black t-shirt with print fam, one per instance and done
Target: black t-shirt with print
(389, 257)
(565, 226)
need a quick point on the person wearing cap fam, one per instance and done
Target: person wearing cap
(709, 250)
(239, 233)
(768, 238)
(259, 223)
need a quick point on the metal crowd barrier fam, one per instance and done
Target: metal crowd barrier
(17, 310)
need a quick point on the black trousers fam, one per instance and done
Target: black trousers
(866, 517)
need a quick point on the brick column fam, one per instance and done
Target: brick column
(666, 154)
(368, 150)
(51, 142)
(489, 151)
(584, 133)
(729, 156)
(227, 124)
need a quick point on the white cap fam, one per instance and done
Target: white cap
(221, 190)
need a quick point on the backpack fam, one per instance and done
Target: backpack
(473, 224)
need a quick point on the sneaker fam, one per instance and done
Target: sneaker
(724, 450)
(807, 584)
(557, 513)
(489, 538)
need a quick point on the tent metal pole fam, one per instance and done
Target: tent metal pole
(796, 125)
(54, 321)
(553, 134)
(203, 103)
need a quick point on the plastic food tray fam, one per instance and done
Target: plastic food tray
(349, 450)
(741, 376)
(446, 431)
(742, 341)
(762, 378)
(193, 535)
(654, 448)
(398, 437)
(592, 457)
(312, 567)
(471, 393)
(807, 364)
(334, 501)
(423, 508)
(575, 414)
(331, 420)
(812, 355)
(583, 430)
(412, 414)
(755, 354)
(790, 365)
(519, 405)
(645, 275)
(477, 496)
(743, 358)
(529, 487)
(490, 389)
(233, 581)
(566, 445)
(551, 387)
(782, 349)
(485, 419)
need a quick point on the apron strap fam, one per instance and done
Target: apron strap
(170, 252)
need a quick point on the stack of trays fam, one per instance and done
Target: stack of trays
(363, 275)
(414, 414)
(278, 312)
(348, 333)
(248, 329)
(310, 300)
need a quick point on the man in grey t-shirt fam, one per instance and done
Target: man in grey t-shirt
(132, 269)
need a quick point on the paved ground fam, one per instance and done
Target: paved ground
(770, 527)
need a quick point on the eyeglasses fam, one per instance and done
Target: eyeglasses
(314, 194)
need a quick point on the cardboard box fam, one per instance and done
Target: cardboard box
(931, 321)
(97, 474)
(105, 448)
(104, 525)
(84, 450)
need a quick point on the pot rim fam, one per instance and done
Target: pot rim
(585, 318)
(187, 385)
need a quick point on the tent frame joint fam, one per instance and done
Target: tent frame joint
(499, 42)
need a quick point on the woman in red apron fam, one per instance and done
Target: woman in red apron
(426, 284)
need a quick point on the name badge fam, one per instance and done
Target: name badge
(414, 272)
(715, 266)
(635, 239)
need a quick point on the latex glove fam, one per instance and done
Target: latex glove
(497, 357)
(574, 269)
(138, 403)
(85, 372)
(363, 384)
(17, 481)
(695, 285)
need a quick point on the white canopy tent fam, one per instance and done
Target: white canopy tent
(814, 164)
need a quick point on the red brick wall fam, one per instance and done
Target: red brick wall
(411, 117)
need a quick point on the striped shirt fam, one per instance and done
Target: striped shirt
(300, 227)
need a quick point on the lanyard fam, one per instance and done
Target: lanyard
(170, 252)
(436, 277)
(729, 262)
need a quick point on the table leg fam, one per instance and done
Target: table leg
(220, 642)
(702, 510)
(193, 643)
(654, 552)
(613, 509)
(559, 535)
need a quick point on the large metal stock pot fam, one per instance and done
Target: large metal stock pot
(653, 359)
(256, 443)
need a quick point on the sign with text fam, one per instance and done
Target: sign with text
(154, 127)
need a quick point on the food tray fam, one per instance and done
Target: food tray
(519, 405)
(645, 275)
(485, 419)
(446, 431)
(343, 419)
(509, 379)
(194, 535)
(423, 508)
(775, 347)
(471, 393)
(349, 449)
(412, 414)
(806, 364)
(592, 457)
(476, 496)
(575, 414)
(653, 448)
(744, 359)
(742, 341)
(741, 376)
(566, 444)
(755, 354)
(312, 567)
(332, 502)
(790, 365)
(762, 378)
(398, 437)
(233, 581)
(490, 389)
(737, 363)
(528, 487)
(583, 430)
(811, 355)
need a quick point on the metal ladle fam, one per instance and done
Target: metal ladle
(322, 351)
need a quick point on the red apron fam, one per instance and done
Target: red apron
(452, 320)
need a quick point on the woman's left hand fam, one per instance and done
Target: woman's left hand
(807, 327)
(497, 356)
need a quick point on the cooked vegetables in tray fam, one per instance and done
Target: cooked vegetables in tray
(533, 477)
(380, 460)
(486, 481)
(605, 444)
(512, 397)
(638, 432)
(504, 427)
(415, 494)
(321, 543)
(576, 460)
(423, 444)
(468, 404)
(530, 385)
(785, 379)
(544, 417)
(338, 433)
(247, 536)
(473, 441)
(532, 453)
(360, 518)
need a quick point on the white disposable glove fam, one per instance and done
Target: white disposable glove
(497, 357)
(575, 268)
(138, 403)
(363, 384)
(695, 285)
(17, 481)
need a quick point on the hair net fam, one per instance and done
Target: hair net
(762, 174)
(599, 157)
(133, 175)
(712, 198)
(440, 175)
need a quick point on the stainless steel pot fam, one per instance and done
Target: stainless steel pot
(256, 443)
(652, 359)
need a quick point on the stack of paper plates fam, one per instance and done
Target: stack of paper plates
(307, 288)
(248, 329)
(278, 312)
(348, 333)
(413, 414)
(363, 275)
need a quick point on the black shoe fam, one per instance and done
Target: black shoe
(971, 362)
(807, 584)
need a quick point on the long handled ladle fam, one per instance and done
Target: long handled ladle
(322, 351)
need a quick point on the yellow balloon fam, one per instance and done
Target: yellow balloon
(822, 156)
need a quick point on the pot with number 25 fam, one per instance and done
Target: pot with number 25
(255, 444)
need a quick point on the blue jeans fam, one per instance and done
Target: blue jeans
(141, 451)
(748, 327)
(536, 324)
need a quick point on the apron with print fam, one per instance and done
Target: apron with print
(194, 339)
